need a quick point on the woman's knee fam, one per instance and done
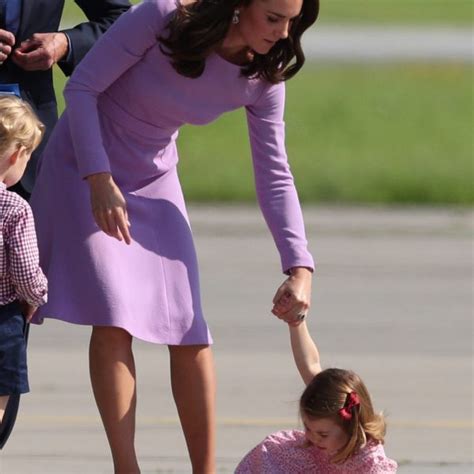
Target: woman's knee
(110, 338)
(193, 351)
(192, 357)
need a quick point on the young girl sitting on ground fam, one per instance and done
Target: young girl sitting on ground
(343, 434)
(23, 285)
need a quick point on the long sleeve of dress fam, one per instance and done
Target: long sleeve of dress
(123, 45)
(275, 187)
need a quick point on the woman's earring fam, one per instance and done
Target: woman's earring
(235, 17)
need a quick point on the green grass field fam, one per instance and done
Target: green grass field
(366, 134)
(453, 12)
(363, 134)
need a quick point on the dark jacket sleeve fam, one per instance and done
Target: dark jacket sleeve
(101, 14)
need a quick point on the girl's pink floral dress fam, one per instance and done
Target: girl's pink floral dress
(285, 453)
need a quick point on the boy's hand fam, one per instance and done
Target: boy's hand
(28, 310)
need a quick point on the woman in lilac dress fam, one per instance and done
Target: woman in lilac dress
(128, 267)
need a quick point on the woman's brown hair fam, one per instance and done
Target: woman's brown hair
(328, 393)
(198, 28)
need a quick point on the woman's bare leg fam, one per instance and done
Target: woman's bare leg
(194, 385)
(112, 371)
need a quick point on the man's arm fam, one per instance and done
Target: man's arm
(101, 14)
(66, 48)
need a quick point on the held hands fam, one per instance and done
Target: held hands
(293, 298)
(7, 41)
(109, 207)
(41, 51)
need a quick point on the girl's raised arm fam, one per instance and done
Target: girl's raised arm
(305, 352)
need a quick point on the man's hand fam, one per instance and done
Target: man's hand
(7, 41)
(41, 52)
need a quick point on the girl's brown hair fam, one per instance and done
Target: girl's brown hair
(198, 28)
(328, 393)
(19, 125)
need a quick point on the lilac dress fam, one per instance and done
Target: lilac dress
(125, 104)
(286, 452)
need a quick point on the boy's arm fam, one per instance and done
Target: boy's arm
(305, 352)
(26, 275)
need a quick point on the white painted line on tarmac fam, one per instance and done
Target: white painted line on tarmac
(236, 422)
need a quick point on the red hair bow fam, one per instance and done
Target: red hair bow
(352, 401)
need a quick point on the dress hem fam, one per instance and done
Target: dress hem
(208, 342)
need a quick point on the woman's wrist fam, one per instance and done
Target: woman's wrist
(99, 178)
(298, 271)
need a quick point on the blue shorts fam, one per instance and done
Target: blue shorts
(13, 368)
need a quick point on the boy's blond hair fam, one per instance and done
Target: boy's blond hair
(19, 125)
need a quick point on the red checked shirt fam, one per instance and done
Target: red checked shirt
(21, 277)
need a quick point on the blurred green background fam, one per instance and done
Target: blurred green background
(441, 12)
(356, 133)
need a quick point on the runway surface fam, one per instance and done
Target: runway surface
(392, 300)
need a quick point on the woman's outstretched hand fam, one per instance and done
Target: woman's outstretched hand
(109, 207)
(292, 300)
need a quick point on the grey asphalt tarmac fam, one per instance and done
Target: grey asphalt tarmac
(384, 43)
(373, 43)
(392, 300)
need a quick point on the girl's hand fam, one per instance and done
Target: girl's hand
(109, 207)
(293, 298)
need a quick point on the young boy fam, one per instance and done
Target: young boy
(23, 286)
